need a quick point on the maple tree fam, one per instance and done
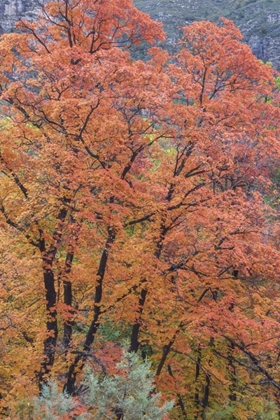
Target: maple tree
(133, 200)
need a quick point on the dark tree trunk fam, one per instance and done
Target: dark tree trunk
(80, 359)
(51, 326)
(167, 348)
(48, 256)
(232, 373)
(205, 401)
(134, 339)
(197, 374)
(180, 399)
(67, 292)
(134, 343)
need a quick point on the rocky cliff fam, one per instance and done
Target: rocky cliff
(12, 10)
(259, 20)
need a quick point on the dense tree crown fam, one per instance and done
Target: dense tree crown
(138, 210)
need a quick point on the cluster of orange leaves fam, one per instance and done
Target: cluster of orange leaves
(136, 197)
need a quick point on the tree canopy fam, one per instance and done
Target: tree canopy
(137, 209)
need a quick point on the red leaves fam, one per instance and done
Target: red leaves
(141, 186)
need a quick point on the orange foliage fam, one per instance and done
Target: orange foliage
(133, 195)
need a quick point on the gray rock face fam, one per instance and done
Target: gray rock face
(259, 20)
(266, 49)
(261, 28)
(13, 10)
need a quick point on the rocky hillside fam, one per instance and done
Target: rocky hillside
(259, 20)
(12, 10)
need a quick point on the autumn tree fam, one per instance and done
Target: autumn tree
(230, 143)
(133, 195)
(66, 108)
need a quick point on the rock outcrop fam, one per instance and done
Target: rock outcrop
(258, 20)
(13, 10)
(260, 26)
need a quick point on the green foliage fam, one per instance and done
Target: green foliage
(221, 413)
(54, 405)
(129, 394)
(116, 333)
(278, 83)
(267, 410)
(259, 409)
